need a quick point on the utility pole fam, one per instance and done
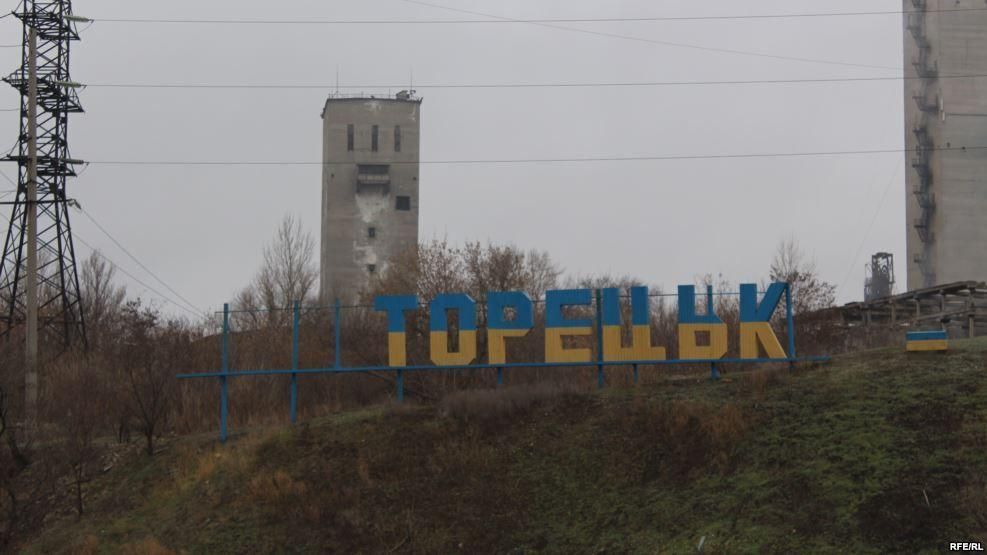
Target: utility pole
(44, 298)
(31, 285)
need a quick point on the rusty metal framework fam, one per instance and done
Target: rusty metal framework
(960, 308)
(60, 307)
(927, 101)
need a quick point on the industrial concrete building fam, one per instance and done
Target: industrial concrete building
(369, 189)
(945, 54)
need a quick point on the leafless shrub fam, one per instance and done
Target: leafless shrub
(792, 266)
(287, 275)
(146, 357)
(102, 298)
(77, 405)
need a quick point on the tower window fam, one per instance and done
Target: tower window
(374, 139)
(350, 132)
(371, 232)
(403, 203)
(397, 138)
(371, 268)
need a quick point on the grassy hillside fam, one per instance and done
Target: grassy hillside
(875, 452)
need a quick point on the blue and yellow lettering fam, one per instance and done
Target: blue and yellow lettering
(396, 306)
(439, 329)
(557, 326)
(499, 328)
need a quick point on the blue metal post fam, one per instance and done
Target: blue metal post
(635, 374)
(224, 392)
(400, 385)
(790, 317)
(600, 378)
(296, 320)
(714, 372)
(336, 329)
(500, 377)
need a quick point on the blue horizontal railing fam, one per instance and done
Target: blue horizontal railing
(508, 366)
(225, 374)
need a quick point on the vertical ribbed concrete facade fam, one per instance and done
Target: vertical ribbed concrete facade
(945, 49)
(369, 189)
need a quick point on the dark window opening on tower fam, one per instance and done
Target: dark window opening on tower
(404, 203)
(371, 268)
(374, 139)
(397, 138)
(371, 232)
(350, 132)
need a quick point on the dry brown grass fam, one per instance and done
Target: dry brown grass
(275, 487)
(147, 546)
(757, 383)
(974, 500)
(683, 439)
(89, 545)
(486, 405)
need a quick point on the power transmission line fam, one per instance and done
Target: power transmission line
(523, 85)
(877, 212)
(514, 21)
(136, 279)
(653, 41)
(535, 160)
(128, 274)
(134, 258)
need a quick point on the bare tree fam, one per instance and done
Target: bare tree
(438, 267)
(809, 292)
(9, 469)
(78, 418)
(147, 356)
(508, 268)
(102, 299)
(287, 274)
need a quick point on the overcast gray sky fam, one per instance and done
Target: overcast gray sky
(201, 229)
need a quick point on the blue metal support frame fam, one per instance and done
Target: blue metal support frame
(223, 388)
(224, 375)
(600, 377)
(516, 365)
(336, 327)
(296, 321)
(790, 319)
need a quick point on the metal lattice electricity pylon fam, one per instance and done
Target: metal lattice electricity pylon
(49, 30)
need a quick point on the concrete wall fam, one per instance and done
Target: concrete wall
(955, 117)
(351, 205)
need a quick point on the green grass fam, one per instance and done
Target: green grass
(876, 452)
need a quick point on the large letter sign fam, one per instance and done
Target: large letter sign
(499, 328)
(691, 324)
(641, 347)
(755, 321)
(397, 344)
(438, 326)
(511, 315)
(557, 327)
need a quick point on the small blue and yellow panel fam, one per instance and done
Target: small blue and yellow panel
(927, 341)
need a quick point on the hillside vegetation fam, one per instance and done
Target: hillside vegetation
(875, 452)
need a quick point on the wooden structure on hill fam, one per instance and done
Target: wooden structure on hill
(960, 308)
